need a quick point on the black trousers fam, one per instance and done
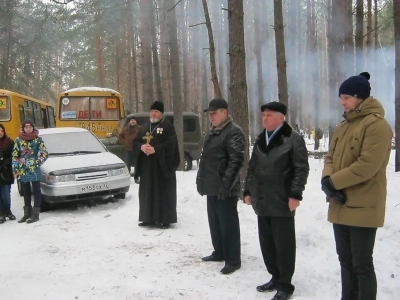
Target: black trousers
(37, 194)
(223, 220)
(355, 246)
(129, 159)
(278, 246)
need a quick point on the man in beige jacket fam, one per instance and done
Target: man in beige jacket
(354, 180)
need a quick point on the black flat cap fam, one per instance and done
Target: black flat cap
(275, 106)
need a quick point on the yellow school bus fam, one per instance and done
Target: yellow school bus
(96, 109)
(15, 108)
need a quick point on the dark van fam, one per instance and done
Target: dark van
(192, 136)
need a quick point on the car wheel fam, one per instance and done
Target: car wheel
(120, 196)
(188, 164)
(44, 206)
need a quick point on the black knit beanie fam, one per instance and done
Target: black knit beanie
(356, 86)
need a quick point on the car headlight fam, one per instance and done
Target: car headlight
(52, 179)
(117, 172)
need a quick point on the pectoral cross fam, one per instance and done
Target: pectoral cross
(147, 137)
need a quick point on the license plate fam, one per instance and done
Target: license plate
(95, 187)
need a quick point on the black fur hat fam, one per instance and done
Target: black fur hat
(157, 105)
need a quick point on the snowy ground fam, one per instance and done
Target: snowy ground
(99, 252)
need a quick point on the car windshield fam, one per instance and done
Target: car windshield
(72, 143)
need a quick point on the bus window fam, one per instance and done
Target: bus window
(21, 113)
(38, 115)
(73, 108)
(29, 110)
(104, 108)
(4, 109)
(50, 113)
(45, 118)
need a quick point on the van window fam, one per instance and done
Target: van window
(189, 125)
(50, 112)
(21, 113)
(38, 115)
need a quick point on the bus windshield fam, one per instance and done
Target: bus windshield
(89, 108)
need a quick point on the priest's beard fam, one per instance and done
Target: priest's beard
(155, 120)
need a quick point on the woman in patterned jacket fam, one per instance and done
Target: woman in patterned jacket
(29, 154)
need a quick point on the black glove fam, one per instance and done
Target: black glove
(331, 192)
(223, 193)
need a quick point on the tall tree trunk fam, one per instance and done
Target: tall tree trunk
(147, 64)
(164, 55)
(176, 79)
(313, 47)
(154, 49)
(259, 60)
(359, 35)
(369, 25)
(238, 82)
(187, 100)
(99, 49)
(376, 45)
(396, 10)
(280, 53)
(293, 58)
(214, 76)
(348, 36)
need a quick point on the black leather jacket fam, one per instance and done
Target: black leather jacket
(221, 160)
(277, 172)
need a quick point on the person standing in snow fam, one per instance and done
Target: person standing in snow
(28, 155)
(6, 175)
(218, 179)
(126, 137)
(156, 147)
(354, 181)
(276, 178)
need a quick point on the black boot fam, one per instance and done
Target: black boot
(10, 215)
(35, 215)
(2, 217)
(27, 214)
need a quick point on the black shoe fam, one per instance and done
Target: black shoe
(143, 224)
(228, 269)
(2, 217)
(212, 257)
(163, 225)
(10, 215)
(281, 296)
(267, 287)
(137, 180)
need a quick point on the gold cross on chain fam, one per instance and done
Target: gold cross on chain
(147, 137)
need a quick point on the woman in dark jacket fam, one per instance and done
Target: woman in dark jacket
(6, 175)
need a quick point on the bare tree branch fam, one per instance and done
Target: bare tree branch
(197, 24)
(63, 3)
(175, 5)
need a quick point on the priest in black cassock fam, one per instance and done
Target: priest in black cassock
(156, 149)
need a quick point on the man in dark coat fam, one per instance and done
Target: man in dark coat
(276, 178)
(126, 137)
(218, 178)
(156, 149)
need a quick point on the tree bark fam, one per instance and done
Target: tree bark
(214, 76)
(176, 79)
(280, 53)
(359, 35)
(396, 13)
(259, 61)
(99, 49)
(145, 50)
(376, 40)
(369, 25)
(238, 82)
(154, 49)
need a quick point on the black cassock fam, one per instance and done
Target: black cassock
(157, 189)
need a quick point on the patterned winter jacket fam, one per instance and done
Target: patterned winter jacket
(27, 157)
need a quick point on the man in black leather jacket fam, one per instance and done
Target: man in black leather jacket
(276, 178)
(218, 178)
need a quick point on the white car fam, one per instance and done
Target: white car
(80, 167)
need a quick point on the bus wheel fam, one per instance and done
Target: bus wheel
(188, 164)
